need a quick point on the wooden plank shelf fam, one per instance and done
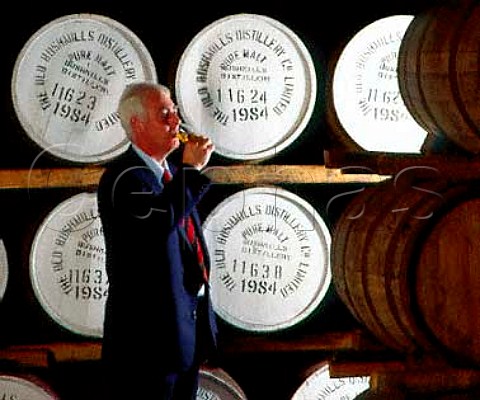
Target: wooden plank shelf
(414, 373)
(349, 341)
(26, 356)
(410, 164)
(44, 353)
(428, 380)
(49, 178)
(349, 354)
(416, 377)
(273, 174)
(238, 174)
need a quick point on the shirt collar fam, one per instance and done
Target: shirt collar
(153, 164)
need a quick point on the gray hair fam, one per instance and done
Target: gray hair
(131, 102)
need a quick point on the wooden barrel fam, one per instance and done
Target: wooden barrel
(270, 252)
(365, 109)
(404, 262)
(67, 265)
(13, 386)
(4, 269)
(66, 83)
(216, 384)
(319, 385)
(439, 73)
(248, 82)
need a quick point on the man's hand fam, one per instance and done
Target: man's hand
(197, 151)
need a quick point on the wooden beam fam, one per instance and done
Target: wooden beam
(49, 178)
(26, 357)
(428, 380)
(274, 174)
(238, 174)
(331, 341)
(58, 351)
(82, 351)
(409, 164)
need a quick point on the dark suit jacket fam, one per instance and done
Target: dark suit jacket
(152, 308)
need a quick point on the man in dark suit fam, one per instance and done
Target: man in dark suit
(159, 324)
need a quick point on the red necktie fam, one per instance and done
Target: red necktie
(187, 224)
(167, 176)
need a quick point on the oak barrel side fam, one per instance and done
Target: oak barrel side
(447, 281)
(374, 259)
(438, 70)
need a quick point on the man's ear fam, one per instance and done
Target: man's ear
(135, 123)
(136, 126)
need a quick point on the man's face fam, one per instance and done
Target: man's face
(156, 135)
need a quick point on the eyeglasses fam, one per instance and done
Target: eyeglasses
(167, 113)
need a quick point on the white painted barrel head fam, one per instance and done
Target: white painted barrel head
(319, 385)
(270, 259)
(217, 384)
(366, 92)
(67, 81)
(25, 387)
(4, 269)
(248, 82)
(67, 265)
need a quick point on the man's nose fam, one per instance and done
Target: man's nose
(175, 118)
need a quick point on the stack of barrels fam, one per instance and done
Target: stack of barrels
(404, 253)
(404, 258)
